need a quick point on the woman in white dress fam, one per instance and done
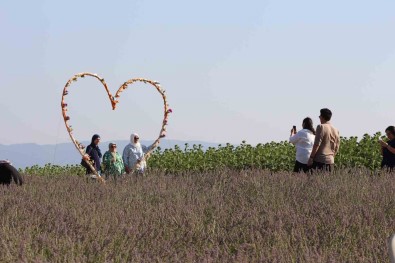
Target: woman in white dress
(304, 141)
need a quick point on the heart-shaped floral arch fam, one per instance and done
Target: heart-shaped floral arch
(114, 101)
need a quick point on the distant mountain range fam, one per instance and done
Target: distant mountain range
(29, 154)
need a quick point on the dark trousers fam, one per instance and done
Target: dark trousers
(300, 167)
(388, 168)
(323, 167)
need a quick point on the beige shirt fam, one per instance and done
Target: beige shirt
(327, 139)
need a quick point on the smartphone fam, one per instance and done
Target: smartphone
(294, 128)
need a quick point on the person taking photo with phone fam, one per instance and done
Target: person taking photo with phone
(303, 141)
(388, 150)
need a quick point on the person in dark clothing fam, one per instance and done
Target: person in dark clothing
(94, 153)
(388, 150)
(9, 173)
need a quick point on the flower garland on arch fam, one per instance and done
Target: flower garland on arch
(114, 101)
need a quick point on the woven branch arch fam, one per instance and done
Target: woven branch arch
(114, 101)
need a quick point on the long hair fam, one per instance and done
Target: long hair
(308, 124)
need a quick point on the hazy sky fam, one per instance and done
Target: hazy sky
(233, 70)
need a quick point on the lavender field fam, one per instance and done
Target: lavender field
(221, 216)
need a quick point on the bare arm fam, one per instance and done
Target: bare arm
(386, 145)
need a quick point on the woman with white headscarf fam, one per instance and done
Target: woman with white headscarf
(133, 155)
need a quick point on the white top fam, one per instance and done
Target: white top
(304, 141)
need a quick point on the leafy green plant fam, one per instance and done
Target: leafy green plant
(273, 156)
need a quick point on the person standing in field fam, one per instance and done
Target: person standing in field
(388, 150)
(303, 141)
(133, 155)
(326, 144)
(112, 162)
(94, 153)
